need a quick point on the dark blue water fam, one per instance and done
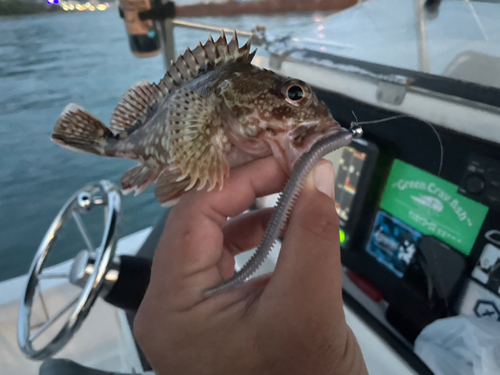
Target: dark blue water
(47, 62)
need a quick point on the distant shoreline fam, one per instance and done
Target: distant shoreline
(9, 8)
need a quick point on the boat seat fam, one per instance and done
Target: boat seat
(67, 367)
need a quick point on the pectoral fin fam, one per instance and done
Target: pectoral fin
(197, 140)
(168, 189)
(138, 179)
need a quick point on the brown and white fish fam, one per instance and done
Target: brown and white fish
(212, 111)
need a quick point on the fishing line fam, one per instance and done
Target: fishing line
(441, 148)
(430, 284)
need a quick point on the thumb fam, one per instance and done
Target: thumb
(309, 267)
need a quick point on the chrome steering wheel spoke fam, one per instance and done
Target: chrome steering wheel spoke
(83, 231)
(95, 282)
(51, 320)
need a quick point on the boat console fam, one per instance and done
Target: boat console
(412, 230)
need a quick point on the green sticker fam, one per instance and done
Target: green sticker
(433, 206)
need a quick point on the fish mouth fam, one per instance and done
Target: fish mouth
(289, 147)
(307, 134)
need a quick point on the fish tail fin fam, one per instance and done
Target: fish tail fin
(78, 130)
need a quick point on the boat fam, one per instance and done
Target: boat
(418, 196)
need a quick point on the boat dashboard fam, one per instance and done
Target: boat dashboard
(419, 215)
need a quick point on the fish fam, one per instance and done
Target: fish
(212, 111)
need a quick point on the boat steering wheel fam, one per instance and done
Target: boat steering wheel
(90, 268)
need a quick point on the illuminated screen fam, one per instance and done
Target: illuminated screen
(348, 164)
(432, 206)
(393, 243)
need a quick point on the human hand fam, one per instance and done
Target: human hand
(290, 322)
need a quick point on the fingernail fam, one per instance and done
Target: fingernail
(324, 178)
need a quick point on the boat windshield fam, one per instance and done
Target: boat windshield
(455, 38)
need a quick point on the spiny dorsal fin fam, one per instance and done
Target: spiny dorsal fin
(197, 142)
(135, 106)
(203, 58)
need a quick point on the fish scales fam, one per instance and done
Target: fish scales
(211, 112)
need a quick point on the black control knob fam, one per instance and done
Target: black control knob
(474, 184)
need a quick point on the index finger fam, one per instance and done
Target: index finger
(192, 244)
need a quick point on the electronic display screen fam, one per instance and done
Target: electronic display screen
(432, 206)
(393, 243)
(348, 164)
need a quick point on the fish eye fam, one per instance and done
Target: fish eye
(296, 92)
